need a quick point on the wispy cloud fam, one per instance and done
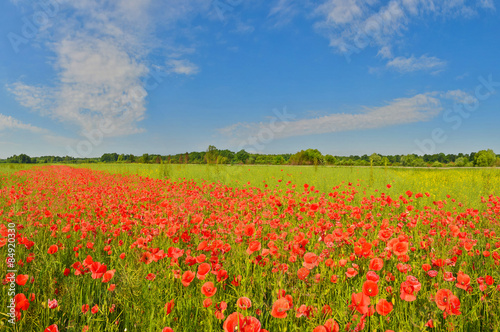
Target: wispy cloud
(184, 67)
(283, 12)
(411, 64)
(101, 51)
(421, 107)
(353, 25)
(8, 122)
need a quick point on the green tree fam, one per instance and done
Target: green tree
(211, 154)
(375, 159)
(485, 158)
(242, 156)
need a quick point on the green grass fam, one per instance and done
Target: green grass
(466, 185)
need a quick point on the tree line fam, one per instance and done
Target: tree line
(483, 158)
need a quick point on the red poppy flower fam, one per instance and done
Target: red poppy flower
(350, 273)
(400, 248)
(108, 275)
(151, 276)
(169, 306)
(237, 322)
(95, 309)
(280, 307)
(52, 250)
(167, 329)
(187, 277)
(370, 288)
(21, 302)
(384, 307)
(360, 302)
(244, 303)
(97, 270)
(21, 279)
(207, 302)
(53, 304)
(85, 308)
(376, 264)
(52, 328)
(302, 273)
(208, 289)
(445, 300)
(331, 325)
(253, 246)
(310, 260)
(203, 269)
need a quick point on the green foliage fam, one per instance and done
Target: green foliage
(485, 158)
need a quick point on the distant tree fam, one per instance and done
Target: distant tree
(460, 162)
(242, 156)
(211, 155)
(144, 159)
(330, 160)
(121, 158)
(485, 158)
(375, 159)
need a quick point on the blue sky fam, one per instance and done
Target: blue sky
(87, 77)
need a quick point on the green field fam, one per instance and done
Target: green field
(466, 185)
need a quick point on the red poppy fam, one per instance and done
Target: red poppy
(244, 303)
(203, 269)
(207, 302)
(52, 250)
(167, 329)
(151, 276)
(331, 325)
(350, 273)
(445, 300)
(21, 279)
(85, 308)
(237, 322)
(384, 307)
(208, 289)
(169, 306)
(310, 260)
(370, 288)
(360, 302)
(52, 328)
(97, 270)
(302, 273)
(95, 309)
(376, 264)
(280, 307)
(21, 302)
(187, 277)
(108, 275)
(400, 248)
(253, 246)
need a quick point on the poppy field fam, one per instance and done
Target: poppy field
(88, 250)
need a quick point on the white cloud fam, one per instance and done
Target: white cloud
(459, 97)
(487, 4)
(421, 107)
(8, 122)
(101, 59)
(184, 67)
(282, 12)
(385, 52)
(353, 25)
(411, 64)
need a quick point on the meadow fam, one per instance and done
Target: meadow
(115, 247)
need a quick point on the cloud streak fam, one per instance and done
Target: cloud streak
(8, 122)
(411, 64)
(419, 108)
